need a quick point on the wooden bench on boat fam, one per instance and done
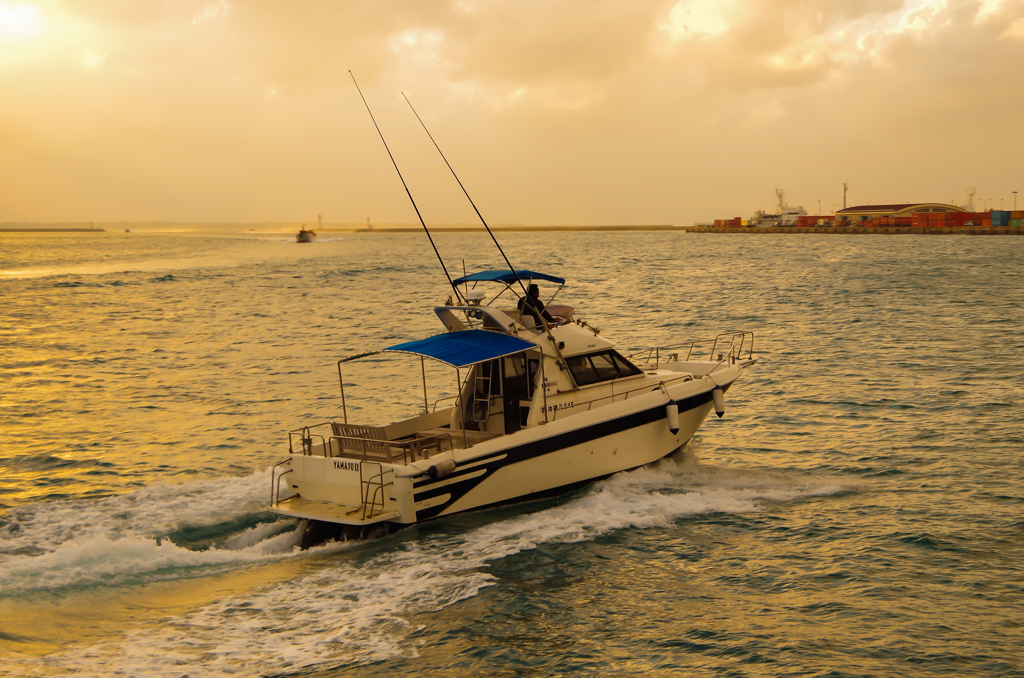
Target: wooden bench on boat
(371, 443)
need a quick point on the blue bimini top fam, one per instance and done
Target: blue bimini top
(466, 347)
(508, 277)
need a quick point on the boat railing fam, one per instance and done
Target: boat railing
(589, 404)
(366, 443)
(441, 400)
(739, 345)
(275, 482)
(738, 342)
(305, 438)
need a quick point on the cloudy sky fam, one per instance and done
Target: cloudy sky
(552, 111)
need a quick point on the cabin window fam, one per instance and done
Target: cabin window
(597, 367)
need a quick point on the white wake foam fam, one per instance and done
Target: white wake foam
(360, 611)
(117, 539)
(100, 560)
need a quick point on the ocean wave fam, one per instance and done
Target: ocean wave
(360, 610)
(150, 531)
(98, 559)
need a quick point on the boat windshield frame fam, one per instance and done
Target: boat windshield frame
(509, 340)
(508, 279)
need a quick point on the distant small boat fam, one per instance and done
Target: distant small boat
(305, 236)
(127, 230)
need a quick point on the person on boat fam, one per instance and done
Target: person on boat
(533, 306)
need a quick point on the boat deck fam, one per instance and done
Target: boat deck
(332, 513)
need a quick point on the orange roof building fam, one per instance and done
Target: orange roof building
(864, 212)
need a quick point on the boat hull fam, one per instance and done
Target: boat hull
(559, 462)
(534, 463)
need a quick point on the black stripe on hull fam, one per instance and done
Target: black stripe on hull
(535, 496)
(539, 448)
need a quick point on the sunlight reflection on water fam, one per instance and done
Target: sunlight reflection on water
(863, 485)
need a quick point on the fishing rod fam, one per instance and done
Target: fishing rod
(526, 294)
(407, 192)
(484, 222)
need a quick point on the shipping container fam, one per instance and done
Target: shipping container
(1015, 223)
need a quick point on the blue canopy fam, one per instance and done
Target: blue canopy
(508, 277)
(466, 347)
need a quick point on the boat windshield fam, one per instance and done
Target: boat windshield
(594, 368)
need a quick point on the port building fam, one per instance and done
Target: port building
(905, 210)
(937, 217)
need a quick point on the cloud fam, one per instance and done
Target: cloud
(1015, 31)
(697, 18)
(214, 11)
(988, 9)
(117, 14)
(588, 110)
(559, 55)
(92, 60)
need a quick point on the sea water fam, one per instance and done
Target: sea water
(859, 510)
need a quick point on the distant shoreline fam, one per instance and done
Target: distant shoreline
(52, 230)
(143, 227)
(862, 230)
(532, 229)
(832, 230)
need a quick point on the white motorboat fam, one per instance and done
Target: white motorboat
(305, 235)
(542, 408)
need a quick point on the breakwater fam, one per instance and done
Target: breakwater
(862, 230)
(52, 230)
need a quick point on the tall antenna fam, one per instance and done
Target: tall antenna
(484, 222)
(407, 192)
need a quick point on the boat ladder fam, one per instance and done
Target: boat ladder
(372, 489)
(482, 397)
